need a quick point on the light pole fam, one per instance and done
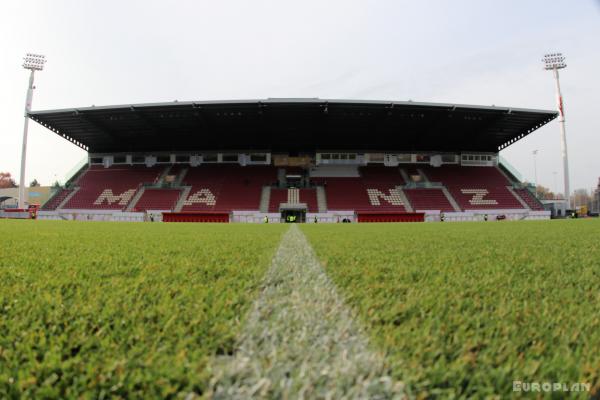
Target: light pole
(554, 62)
(535, 171)
(32, 62)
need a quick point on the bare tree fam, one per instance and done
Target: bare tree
(6, 181)
(581, 197)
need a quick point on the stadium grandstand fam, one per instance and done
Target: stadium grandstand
(317, 160)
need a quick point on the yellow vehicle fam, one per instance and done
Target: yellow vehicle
(582, 211)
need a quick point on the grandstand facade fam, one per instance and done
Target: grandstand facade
(319, 160)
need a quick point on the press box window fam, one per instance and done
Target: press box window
(210, 158)
(258, 157)
(230, 157)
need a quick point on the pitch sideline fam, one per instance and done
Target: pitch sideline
(300, 339)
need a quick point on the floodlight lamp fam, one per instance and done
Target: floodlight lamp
(554, 61)
(34, 62)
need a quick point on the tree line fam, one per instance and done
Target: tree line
(7, 181)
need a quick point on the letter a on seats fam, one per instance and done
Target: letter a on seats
(202, 196)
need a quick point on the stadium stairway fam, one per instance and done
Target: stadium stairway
(321, 199)
(423, 175)
(68, 198)
(405, 200)
(523, 203)
(404, 175)
(138, 195)
(265, 198)
(451, 199)
(57, 199)
(507, 176)
(180, 176)
(161, 178)
(185, 192)
(293, 197)
(532, 202)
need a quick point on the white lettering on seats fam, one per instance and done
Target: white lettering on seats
(111, 198)
(393, 197)
(204, 196)
(478, 195)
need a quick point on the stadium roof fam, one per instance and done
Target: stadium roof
(293, 125)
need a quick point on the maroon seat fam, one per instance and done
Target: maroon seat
(226, 188)
(428, 199)
(277, 197)
(158, 199)
(110, 188)
(55, 201)
(374, 190)
(530, 199)
(475, 188)
(309, 197)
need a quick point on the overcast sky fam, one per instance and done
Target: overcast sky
(465, 52)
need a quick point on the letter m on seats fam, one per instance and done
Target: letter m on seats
(393, 197)
(108, 196)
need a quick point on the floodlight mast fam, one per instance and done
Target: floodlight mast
(554, 62)
(32, 62)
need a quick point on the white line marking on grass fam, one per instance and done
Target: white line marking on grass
(300, 340)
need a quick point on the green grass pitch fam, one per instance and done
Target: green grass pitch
(122, 310)
(465, 309)
(128, 310)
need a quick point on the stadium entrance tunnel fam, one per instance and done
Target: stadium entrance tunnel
(293, 215)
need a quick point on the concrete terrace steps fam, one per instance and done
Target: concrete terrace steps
(180, 176)
(185, 192)
(293, 196)
(138, 195)
(66, 199)
(265, 198)
(424, 176)
(451, 199)
(523, 203)
(407, 206)
(163, 174)
(404, 175)
(321, 199)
